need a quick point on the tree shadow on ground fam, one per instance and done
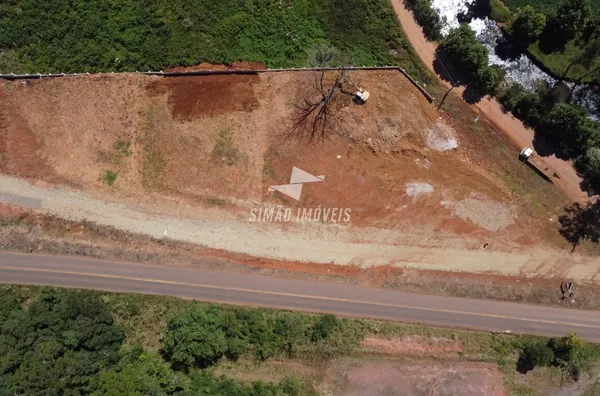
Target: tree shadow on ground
(444, 70)
(507, 49)
(552, 38)
(580, 222)
(589, 187)
(472, 93)
(543, 147)
(524, 364)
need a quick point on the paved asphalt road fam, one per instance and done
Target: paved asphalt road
(258, 290)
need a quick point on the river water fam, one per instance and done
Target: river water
(517, 66)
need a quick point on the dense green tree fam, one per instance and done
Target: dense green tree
(204, 383)
(259, 333)
(469, 58)
(591, 30)
(531, 109)
(291, 386)
(128, 35)
(427, 17)
(489, 78)
(570, 127)
(463, 50)
(196, 337)
(58, 344)
(570, 18)
(324, 326)
(589, 165)
(510, 96)
(499, 11)
(571, 353)
(8, 304)
(140, 373)
(528, 24)
(291, 327)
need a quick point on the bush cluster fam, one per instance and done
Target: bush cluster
(205, 334)
(570, 353)
(499, 12)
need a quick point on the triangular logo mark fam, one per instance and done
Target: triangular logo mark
(294, 189)
(300, 176)
(291, 190)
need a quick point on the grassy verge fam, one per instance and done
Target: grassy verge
(101, 35)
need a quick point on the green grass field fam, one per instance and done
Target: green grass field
(558, 62)
(104, 35)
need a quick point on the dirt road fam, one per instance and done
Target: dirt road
(490, 109)
(326, 244)
(294, 294)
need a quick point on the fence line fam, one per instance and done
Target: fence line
(428, 96)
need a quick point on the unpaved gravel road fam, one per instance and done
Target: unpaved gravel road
(512, 128)
(328, 244)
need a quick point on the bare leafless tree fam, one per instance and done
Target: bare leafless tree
(315, 116)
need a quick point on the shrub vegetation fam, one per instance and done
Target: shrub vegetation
(570, 353)
(104, 35)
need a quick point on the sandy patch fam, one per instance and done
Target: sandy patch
(415, 189)
(491, 215)
(440, 137)
(423, 163)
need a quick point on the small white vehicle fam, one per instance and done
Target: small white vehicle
(525, 153)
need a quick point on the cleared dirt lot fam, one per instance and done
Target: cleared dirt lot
(381, 378)
(208, 148)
